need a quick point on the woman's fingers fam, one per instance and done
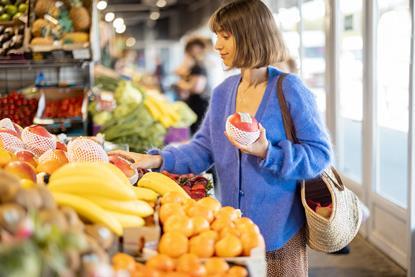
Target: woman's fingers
(241, 147)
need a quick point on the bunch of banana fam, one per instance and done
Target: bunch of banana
(160, 183)
(101, 193)
(161, 110)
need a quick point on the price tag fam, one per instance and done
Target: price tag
(81, 54)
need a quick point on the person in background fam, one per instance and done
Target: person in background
(261, 179)
(193, 86)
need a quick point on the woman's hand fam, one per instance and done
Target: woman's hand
(141, 160)
(258, 148)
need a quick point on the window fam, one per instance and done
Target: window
(313, 64)
(351, 88)
(393, 58)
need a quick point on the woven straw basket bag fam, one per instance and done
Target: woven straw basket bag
(325, 234)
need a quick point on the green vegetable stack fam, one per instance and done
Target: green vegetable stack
(130, 123)
(12, 9)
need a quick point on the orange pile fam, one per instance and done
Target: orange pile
(205, 229)
(186, 265)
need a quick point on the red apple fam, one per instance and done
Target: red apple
(61, 146)
(125, 167)
(39, 130)
(23, 170)
(26, 156)
(244, 122)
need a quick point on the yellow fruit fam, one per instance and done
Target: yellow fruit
(229, 230)
(173, 244)
(200, 224)
(245, 225)
(210, 203)
(145, 194)
(220, 223)
(197, 210)
(250, 240)
(216, 266)
(161, 262)
(179, 223)
(229, 212)
(5, 157)
(127, 220)
(237, 271)
(170, 209)
(121, 261)
(160, 183)
(190, 264)
(229, 246)
(210, 234)
(173, 197)
(27, 184)
(89, 210)
(135, 207)
(202, 246)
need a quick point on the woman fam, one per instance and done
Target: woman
(260, 179)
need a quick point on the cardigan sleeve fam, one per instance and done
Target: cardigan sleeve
(313, 154)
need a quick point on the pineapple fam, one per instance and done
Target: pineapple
(79, 16)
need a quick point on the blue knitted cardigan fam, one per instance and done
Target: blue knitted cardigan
(265, 190)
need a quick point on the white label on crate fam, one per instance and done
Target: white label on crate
(245, 118)
(81, 54)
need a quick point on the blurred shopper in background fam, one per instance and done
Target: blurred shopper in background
(261, 179)
(193, 85)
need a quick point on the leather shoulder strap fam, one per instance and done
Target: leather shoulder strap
(286, 117)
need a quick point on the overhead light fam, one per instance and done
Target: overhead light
(130, 42)
(121, 29)
(118, 22)
(161, 3)
(102, 5)
(154, 15)
(109, 17)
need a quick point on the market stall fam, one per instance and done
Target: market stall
(67, 207)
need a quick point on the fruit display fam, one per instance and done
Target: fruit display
(161, 184)
(59, 23)
(243, 128)
(64, 108)
(205, 228)
(38, 238)
(12, 9)
(186, 265)
(195, 185)
(11, 39)
(18, 108)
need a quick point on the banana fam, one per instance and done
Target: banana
(145, 194)
(155, 113)
(136, 207)
(116, 171)
(127, 220)
(99, 170)
(160, 183)
(89, 210)
(90, 185)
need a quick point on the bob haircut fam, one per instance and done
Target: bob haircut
(259, 43)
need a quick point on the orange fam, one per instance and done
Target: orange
(173, 244)
(229, 230)
(250, 240)
(147, 272)
(229, 212)
(216, 266)
(198, 210)
(244, 225)
(169, 209)
(200, 224)
(237, 271)
(202, 246)
(179, 223)
(161, 262)
(210, 234)
(190, 264)
(121, 261)
(210, 203)
(173, 197)
(220, 223)
(229, 246)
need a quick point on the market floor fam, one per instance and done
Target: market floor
(363, 260)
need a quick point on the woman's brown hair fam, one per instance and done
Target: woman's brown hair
(258, 41)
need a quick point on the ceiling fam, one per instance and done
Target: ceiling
(176, 18)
